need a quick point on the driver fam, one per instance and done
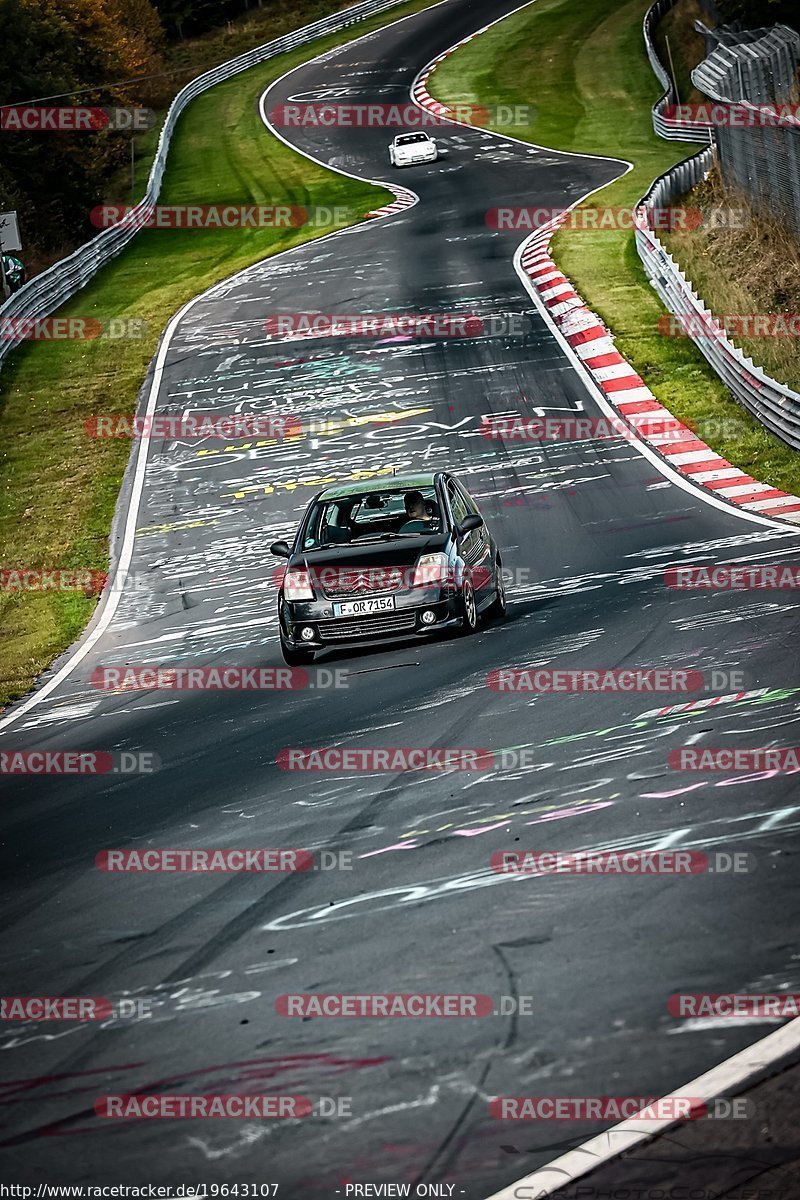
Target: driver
(419, 519)
(415, 507)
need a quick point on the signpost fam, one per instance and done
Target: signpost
(9, 240)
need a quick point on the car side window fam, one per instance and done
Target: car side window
(458, 504)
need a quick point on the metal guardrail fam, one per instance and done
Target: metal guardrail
(668, 127)
(43, 294)
(774, 404)
(759, 153)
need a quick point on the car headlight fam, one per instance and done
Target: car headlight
(432, 569)
(297, 585)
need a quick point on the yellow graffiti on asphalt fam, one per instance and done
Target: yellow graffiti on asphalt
(502, 816)
(170, 525)
(290, 485)
(324, 429)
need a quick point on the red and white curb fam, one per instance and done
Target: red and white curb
(405, 199)
(623, 388)
(419, 92)
(630, 395)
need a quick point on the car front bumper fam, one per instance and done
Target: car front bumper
(403, 621)
(405, 161)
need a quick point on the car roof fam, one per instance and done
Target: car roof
(387, 483)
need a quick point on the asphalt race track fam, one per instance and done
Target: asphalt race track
(586, 529)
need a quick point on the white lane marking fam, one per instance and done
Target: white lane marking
(671, 838)
(776, 817)
(719, 1081)
(703, 1024)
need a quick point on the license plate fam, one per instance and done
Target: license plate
(359, 608)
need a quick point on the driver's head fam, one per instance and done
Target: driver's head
(415, 506)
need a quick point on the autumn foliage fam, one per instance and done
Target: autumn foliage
(65, 52)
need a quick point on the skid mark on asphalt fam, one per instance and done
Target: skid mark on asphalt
(703, 836)
(289, 1070)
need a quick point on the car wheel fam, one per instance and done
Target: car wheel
(294, 657)
(498, 606)
(469, 609)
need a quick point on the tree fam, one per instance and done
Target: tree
(752, 14)
(61, 48)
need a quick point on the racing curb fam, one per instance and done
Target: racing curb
(419, 92)
(405, 199)
(623, 388)
(632, 398)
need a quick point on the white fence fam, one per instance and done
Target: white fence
(43, 294)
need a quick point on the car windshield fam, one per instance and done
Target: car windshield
(407, 139)
(362, 516)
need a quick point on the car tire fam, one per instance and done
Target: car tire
(498, 606)
(294, 657)
(469, 610)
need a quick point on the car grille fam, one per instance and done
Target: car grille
(361, 584)
(374, 626)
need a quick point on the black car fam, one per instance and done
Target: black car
(396, 557)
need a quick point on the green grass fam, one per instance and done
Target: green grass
(59, 486)
(584, 70)
(755, 269)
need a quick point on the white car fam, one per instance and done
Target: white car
(410, 148)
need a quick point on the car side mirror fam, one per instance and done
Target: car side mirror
(473, 521)
(280, 550)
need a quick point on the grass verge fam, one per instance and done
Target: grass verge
(60, 486)
(584, 70)
(753, 270)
